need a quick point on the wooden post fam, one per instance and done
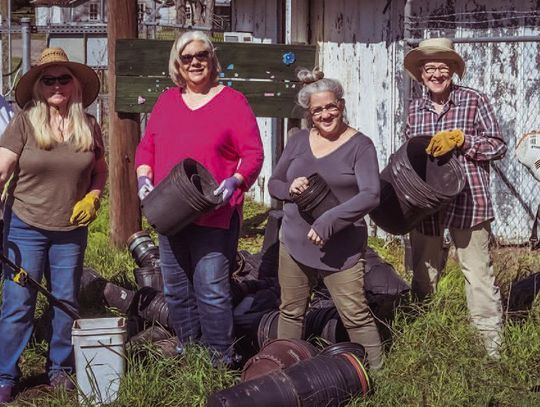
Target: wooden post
(124, 130)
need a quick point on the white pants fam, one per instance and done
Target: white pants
(483, 296)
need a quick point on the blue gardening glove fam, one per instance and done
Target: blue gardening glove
(144, 186)
(227, 188)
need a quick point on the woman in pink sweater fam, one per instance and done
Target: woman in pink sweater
(214, 125)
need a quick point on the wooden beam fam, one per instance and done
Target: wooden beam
(266, 98)
(238, 60)
(124, 131)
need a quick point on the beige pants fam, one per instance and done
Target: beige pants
(483, 296)
(347, 290)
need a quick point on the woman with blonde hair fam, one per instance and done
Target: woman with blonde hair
(53, 151)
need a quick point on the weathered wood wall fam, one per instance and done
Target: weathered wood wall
(261, 19)
(362, 44)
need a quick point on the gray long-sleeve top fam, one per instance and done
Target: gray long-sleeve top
(352, 173)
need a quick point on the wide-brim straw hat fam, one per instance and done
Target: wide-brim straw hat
(57, 56)
(433, 49)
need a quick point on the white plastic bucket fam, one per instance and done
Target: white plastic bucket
(99, 346)
(528, 152)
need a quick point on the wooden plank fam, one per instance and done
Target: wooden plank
(238, 60)
(267, 99)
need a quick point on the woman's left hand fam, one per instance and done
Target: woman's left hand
(314, 238)
(227, 188)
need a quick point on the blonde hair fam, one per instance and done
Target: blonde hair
(78, 125)
(177, 48)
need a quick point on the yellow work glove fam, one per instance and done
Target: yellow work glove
(85, 210)
(445, 141)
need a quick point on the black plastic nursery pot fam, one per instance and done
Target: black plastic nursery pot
(152, 306)
(149, 276)
(184, 195)
(153, 334)
(142, 249)
(415, 185)
(277, 355)
(316, 199)
(267, 329)
(320, 381)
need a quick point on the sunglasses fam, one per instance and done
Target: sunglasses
(61, 80)
(201, 56)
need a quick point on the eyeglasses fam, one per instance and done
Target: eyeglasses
(430, 69)
(61, 80)
(332, 108)
(201, 56)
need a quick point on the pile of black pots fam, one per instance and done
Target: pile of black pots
(189, 189)
(291, 373)
(385, 291)
(316, 199)
(415, 185)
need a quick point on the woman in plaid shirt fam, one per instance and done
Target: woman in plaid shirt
(462, 121)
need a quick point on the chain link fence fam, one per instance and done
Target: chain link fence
(501, 50)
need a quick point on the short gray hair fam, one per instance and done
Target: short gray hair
(181, 42)
(315, 82)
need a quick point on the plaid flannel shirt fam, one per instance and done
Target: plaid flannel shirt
(470, 111)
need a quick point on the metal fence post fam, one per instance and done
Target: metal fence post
(25, 31)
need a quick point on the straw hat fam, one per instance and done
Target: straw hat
(433, 49)
(56, 56)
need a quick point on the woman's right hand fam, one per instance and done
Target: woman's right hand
(298, 185)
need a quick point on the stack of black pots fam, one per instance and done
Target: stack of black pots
(415, 185)
(316, 199)
(331, 378)
(184, 195)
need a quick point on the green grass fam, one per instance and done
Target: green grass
(436, 359)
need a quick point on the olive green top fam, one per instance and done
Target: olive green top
(46, 184)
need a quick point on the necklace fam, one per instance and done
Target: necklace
(59, 126)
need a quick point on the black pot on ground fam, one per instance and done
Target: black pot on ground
(267, 329)
(414, 185)
(153, 334)
(185, 194)
(149, 276)
(321, 381)
(119, 297)
(343, 347)
(152, 306)
(92, 286)
(143, 250)
(278, 354)
(316, 199)
(324, 323)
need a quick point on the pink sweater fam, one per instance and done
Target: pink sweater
(222, 135)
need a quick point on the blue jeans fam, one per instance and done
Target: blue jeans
(59, 256)
(196, 265)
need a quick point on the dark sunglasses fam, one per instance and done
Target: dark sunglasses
(201, 56)
(51, 80)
